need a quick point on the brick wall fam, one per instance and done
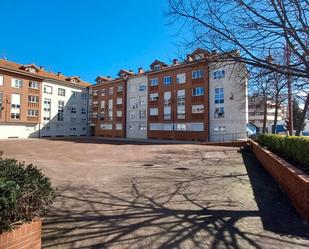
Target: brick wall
(28, 236)
(292, 181)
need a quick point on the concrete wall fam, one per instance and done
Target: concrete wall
(136, 127)
(73, 124)
(235, 102)
(19, 130)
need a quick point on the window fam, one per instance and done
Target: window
(1, 80)
(181, 127)
(17, 83)
(197, 108)
(219, 74)
(73, 110)
(83, 111)
(119, 101)
(1, 98)
(47, 106)
(15, 106)
(119, 114)
(33, 99)
(83, 96)
(181, 109)
(119, 88)
(196, 127)
(197, 74)
(15, 101)
(219, 112)
(142, 114)
(102, 105)
(111, 91)
(131, 88)
(132, 101)
(60, 110)
(142, 127)
(181, 78)
(142, 87)
(153, 111)
(219, 95)
(154, 82)
(167, 80)
(153, 96)
(167, 106)
(95, 92)
(131, 127)
(33, 85)
(142, 100)
(33, 113)
(155, 127)
(198, 91)
(157, 67)
(110, 109)
(132, 114)
(48, 89)
(74, 94)
(198, 57)
(61, 92)
(219, 128)
(106, 126)
(118, 126)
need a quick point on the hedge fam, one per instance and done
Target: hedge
(294, 149)
(25, 193)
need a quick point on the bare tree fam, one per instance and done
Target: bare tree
(255, 28)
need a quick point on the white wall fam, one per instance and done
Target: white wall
(18, 130)
(235, 102)
(73, 124)
(134, 124)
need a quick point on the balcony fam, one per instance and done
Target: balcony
(34, 91)
(33, 104)
(198, 81)
(33, 119)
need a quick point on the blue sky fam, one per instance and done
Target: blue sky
(86, 38)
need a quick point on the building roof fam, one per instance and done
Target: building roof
(41, 73)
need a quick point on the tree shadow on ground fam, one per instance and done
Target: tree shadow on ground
(138, 217)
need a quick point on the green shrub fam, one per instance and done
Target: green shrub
(25, 193)
(294, 149)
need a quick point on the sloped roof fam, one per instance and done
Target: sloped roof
(41, 73)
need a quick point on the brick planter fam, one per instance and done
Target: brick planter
(292, 181)
(26, 236)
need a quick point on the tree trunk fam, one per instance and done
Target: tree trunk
(274, 128)
(303, 116)
(265, 116)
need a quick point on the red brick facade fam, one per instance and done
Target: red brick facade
(101, 93)
(294, 182)
(27, 236)
(188, 86)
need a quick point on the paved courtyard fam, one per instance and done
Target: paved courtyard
(159, 196)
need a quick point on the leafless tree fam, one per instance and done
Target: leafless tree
(255, 28)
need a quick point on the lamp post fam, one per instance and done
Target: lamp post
(287, 51)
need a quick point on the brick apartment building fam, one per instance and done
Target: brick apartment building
(29, 102)
(109, 105)
(196, 99)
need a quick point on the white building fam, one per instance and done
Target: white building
(137, 94)
(64, 108)
(228, 101)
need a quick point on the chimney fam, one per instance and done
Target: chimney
(175, 62)
(41, 68)
(140, 70)
(59, 73)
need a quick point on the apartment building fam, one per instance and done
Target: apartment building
(28, 106)
(256, 112)
(137, 91)
(64, 107)
(109, 105)
(228, 101)
(196, 99)
(178, 99)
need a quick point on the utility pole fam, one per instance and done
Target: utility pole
(290, 96)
